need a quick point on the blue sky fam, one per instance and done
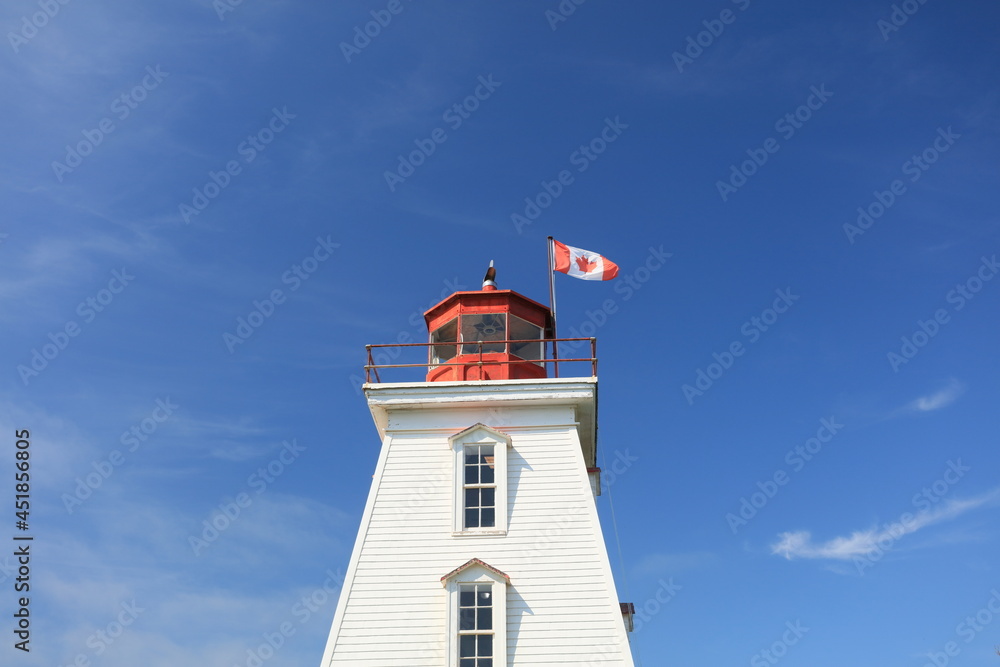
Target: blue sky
(800, 401)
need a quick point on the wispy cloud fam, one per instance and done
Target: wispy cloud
(799, 544)
(929, 402)
(192, 606)
(939, 399)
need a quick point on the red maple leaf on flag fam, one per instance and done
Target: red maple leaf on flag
(584, 264)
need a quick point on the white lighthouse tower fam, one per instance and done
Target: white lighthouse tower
(480, 544)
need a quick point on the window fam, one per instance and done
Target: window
(529, 334)
(479, 487)
(480, 481)
(484, 327)
(446, 333)
(475, 625)
(477, 615)
(487, 328)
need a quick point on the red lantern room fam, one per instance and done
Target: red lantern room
(487, 335)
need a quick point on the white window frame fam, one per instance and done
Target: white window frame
(480, 434)
(477, 572)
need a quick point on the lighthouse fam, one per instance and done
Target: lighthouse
(480, 544)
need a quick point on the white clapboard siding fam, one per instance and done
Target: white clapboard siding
(562, 607)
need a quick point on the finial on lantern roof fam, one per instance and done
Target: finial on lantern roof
(488, 284)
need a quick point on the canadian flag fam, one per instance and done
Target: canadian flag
(581, 263)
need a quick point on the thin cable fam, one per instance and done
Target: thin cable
(621, 562)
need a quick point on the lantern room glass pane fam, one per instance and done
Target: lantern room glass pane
(528, 335)
(446, 333)
(484, 327)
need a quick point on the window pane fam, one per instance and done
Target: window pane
(467, 663)
(472, 498)
(484, 595)
(472, 474)
(488, 518)
(467, 619)
(485, 618)
(467, 596)
(488, 497)
(485, 646)
(467, 646)
(525, 331)
(484, 327)
(487, 475)
(472, 518)
(485, 662)
(445, 333)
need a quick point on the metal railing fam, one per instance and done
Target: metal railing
(372, 368)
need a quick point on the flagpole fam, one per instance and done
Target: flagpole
(552, 302)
